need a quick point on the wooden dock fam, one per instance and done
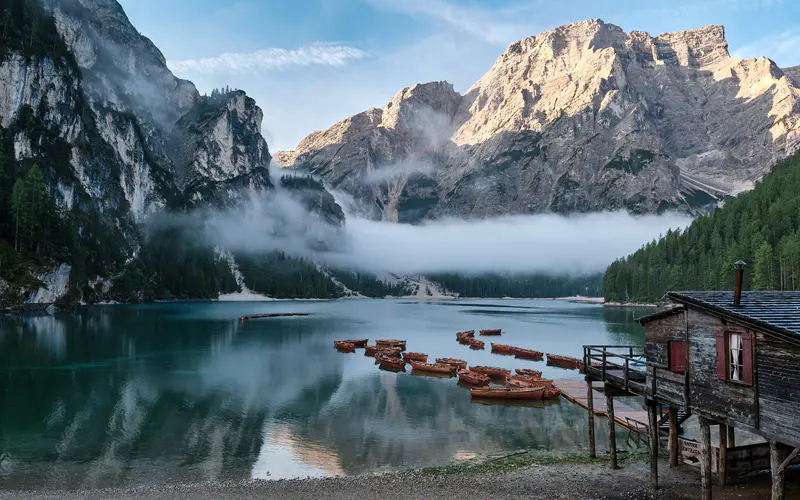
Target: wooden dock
(624, 415)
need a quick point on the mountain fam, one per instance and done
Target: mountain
(584, 117)
(97, 140)
(760, 227)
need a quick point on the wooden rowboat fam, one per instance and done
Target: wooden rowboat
(390, 363)
(477, 345)
(503, 349)
(393, 352)
(272, 315)
(529, 373)
(391, 343)
(432, 367)
(528, 354)
(370, 350)
(564, 361)
(492, 371)
(508, 393)
(492, 332)
(465, 340)
(416, 356)
(344, 346)
(473, 378)
(527, 382)
(458, 363)
(468, 333)
(551, 393)
(358, 342)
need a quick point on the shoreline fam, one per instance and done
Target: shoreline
(256, 298)
(519, 475)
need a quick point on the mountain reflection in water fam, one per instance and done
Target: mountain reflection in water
(131, 395)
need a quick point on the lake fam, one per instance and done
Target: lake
(184, 392)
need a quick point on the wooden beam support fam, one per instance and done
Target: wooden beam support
(673, 437)
(776, 457)
(705, 458)
(590, 405)
(731, 436)
(789, 459)
(652, 418)
(722, 465)
(612, 430)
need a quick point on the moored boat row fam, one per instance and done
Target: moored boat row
(343, 346)
(526, 384)
(458, 363)
(433, 367)
(473, 377)
(497, 331)
(564, 361)
(503, 349)
(416, 356)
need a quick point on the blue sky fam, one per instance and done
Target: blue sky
(310, 63)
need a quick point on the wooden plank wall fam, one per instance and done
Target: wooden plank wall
(669, 386)
(735, 401)
(659, 332)
(778, 377)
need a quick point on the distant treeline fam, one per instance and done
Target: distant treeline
(521, 285)
(761, 227)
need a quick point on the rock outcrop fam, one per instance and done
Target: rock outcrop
(117, 136)
(581, 118)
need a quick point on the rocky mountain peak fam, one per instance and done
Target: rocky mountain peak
(582, 117)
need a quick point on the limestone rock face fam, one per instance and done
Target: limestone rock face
(581, 118)
(168, 142)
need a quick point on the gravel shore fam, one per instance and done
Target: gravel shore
(559, 481)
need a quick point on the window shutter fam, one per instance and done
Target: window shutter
(722, 359)
(747, 358)
(677, 356)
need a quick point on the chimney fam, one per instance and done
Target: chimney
(737, 287)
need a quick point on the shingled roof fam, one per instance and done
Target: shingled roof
(771, 312)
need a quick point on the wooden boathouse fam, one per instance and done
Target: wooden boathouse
(732, 359)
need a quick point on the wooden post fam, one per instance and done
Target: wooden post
(612, 430)
(705, 458)
(653, 428)
(778, 473)
(590, 405)
(722, 465)
(731, 437)
(673, 437)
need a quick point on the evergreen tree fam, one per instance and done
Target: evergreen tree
(761, 227)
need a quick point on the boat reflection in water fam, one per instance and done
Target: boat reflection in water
(532, 403)
(185, 392)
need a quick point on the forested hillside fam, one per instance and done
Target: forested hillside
(761, 227)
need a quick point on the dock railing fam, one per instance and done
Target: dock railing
(627, 368)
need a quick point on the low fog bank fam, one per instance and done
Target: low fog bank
(545, 243)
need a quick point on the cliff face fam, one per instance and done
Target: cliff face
(117, 136)
(581, 118)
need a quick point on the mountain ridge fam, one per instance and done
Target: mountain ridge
(583, 117)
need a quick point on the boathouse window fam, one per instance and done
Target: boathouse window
(735, 356)
(677, 356)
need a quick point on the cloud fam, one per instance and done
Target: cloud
(497, 26)
(269, 59)
(783, 48)
(543, 243)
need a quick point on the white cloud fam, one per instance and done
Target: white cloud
(268, 59)
(783, 48)
(543, 243)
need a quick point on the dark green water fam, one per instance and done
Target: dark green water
(128, 395)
